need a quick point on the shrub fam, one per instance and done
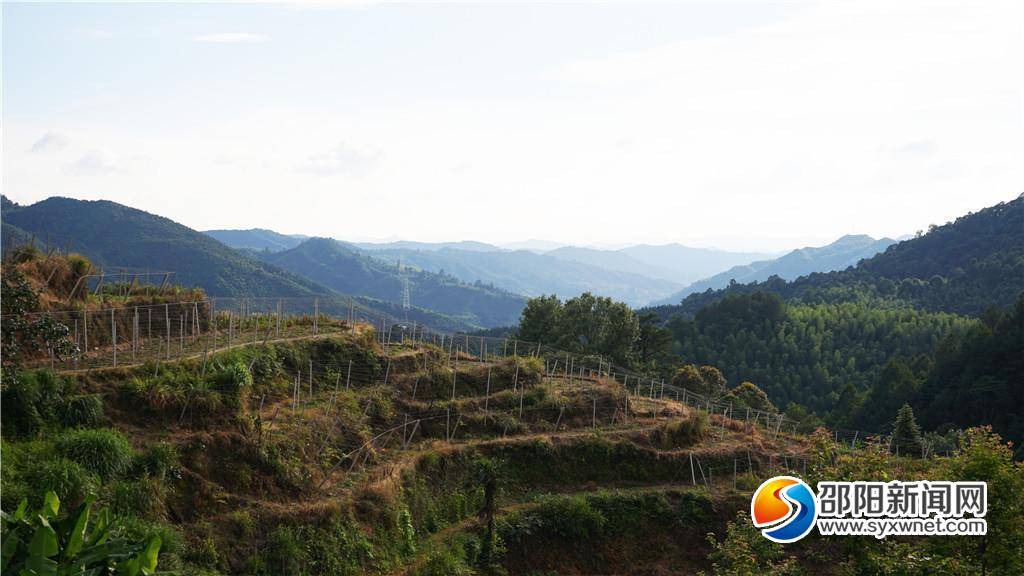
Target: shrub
(103, 451)
(158, 461)
(67, 479)
(83, 410)
(681, 433)
(570, 518)
(231, 379)
(243, 523)
(29, 402)
(381, 409)
(143, 498)
(266, 365)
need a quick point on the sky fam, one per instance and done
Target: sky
(755, 126)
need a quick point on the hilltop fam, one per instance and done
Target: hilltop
(844, 252)
(335, 265)
(964, 266)
(255, 239)
(113, 235)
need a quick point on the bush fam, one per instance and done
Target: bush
(158, 460)
(67, 479)
(681, 433)
(103, 451)
(83, 410)
(233, 378)
(143, 498)
(29, 403)
(570, 518)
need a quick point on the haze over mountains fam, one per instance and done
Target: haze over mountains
(470, 284)
(844, 252)
(638, 275)
(965, 266)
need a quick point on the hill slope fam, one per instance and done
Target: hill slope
(255, 239)
(343, 269)
(690, 264)
(613, 260)
(111, 234)
(965, 266)
(844, 252)
(533, 274)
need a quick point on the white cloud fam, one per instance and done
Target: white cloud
(342, 159)
(95, 162)
(230, 38)
(50, 142)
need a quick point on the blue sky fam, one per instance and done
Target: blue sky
(741, 125)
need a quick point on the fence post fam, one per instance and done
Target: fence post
(113, 336)
(167, 322)
(487, 396)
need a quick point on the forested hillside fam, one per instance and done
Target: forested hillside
(255, 239)
(334, 265)
(113, 235)
(806, 353)
(964, 266)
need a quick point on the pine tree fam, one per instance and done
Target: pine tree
(906, 434)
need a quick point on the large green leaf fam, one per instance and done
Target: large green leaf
(44, 541)
(39, 566)
(51, 505)
(148, 557)
(12, 539)
(19, 514)
(77, 537)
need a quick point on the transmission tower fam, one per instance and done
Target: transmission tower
(405, 290)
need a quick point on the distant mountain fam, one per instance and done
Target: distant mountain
(346, 270)
(532, 245)
(842, 253)
(532, 274)
(612, 260)
(112, 234)
(690, 264)
(467, 245)
(966, 266)
(255, 239)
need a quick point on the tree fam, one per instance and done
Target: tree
(540, 320)
(906, 434)
(688, 376)
(487, 472)
(750, 396)
(984, 456)
(25, 331)
(654, 344)
(714, 381)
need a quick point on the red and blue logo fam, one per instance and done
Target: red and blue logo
(785, 509)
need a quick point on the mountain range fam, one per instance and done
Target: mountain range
(112, 235)
(842, 253)
(348, 271)
(965, 266)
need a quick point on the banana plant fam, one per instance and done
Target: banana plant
(42, 543)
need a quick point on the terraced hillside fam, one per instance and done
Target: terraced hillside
(337, 454)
